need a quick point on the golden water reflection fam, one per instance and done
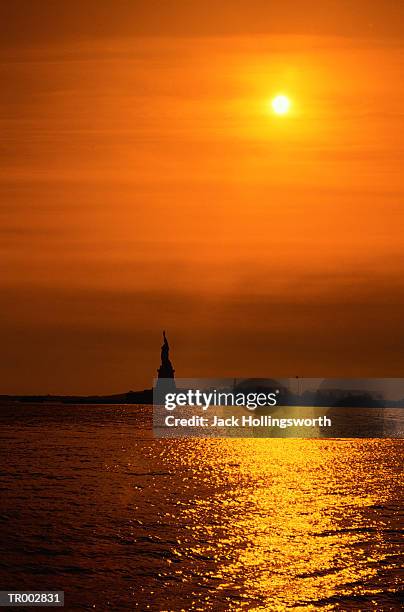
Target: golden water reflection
(123, 521)
(293, 522)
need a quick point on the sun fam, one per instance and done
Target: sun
(280, 104)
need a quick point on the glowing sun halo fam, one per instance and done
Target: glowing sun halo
(280, 105)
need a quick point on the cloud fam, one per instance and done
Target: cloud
(25, 23)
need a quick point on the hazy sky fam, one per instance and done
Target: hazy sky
(145, 184)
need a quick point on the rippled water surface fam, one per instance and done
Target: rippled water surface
(93, 505)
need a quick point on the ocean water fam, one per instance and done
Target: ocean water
(91, 504)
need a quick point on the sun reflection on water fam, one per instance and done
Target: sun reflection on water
(291, 520)
(134, 522)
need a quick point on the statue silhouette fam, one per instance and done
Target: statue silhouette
(166, 369)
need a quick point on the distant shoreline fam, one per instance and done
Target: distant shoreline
(130, 397)
(146, 397)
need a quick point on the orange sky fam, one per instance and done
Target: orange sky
(144, 184)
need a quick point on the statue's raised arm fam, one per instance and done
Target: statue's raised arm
(164, 349)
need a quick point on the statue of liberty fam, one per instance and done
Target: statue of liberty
(166, 369)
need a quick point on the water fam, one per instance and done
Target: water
(92, 505)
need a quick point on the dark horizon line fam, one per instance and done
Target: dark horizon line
(308, 398)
